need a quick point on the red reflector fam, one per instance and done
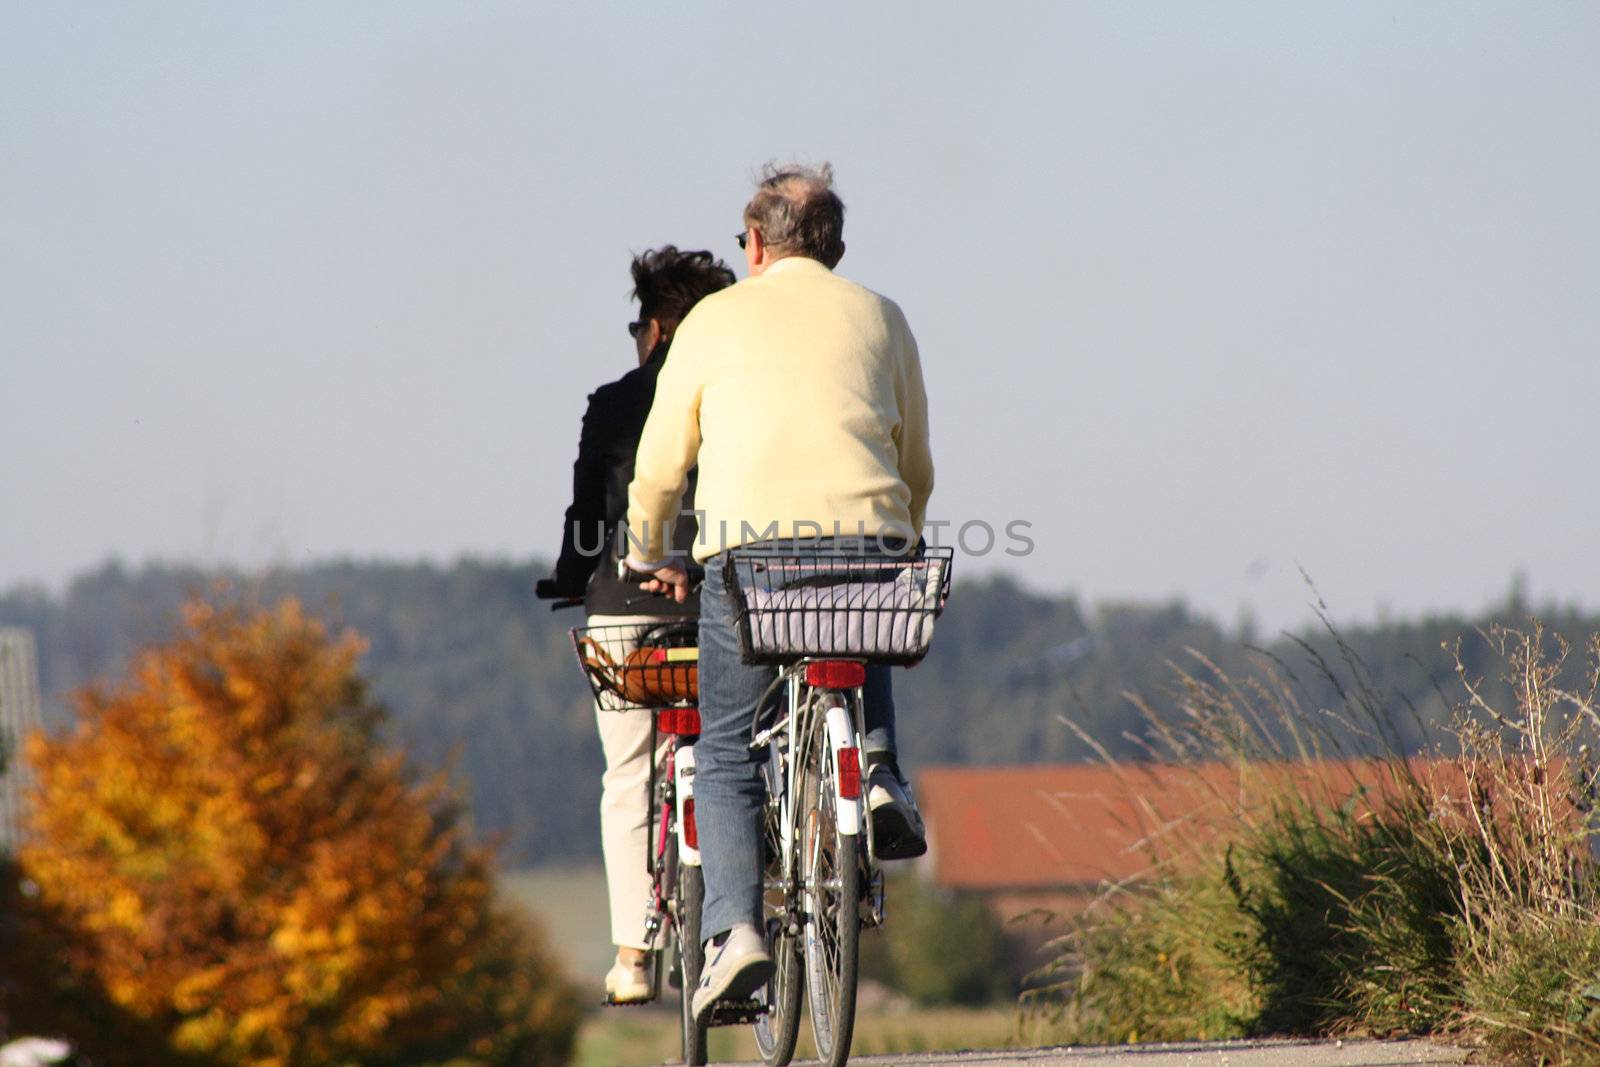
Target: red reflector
(850, 773)
(836, 674)
(691, 833)
(684, 722)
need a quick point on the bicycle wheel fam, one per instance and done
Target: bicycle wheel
(833, 899)
(779, 1028)
(691, 894)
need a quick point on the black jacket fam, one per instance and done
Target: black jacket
(587, 566)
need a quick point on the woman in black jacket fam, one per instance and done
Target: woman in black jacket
(667, 283)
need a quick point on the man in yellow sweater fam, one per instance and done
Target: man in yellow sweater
(800, 396)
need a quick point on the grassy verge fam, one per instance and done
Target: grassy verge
(634, 1037)
(1310, 892)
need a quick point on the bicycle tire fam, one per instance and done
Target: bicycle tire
(832, 876)
(778, 1031)
(690, 894)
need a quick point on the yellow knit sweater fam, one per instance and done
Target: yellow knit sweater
(800, 395)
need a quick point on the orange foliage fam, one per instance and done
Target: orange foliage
(240, 862)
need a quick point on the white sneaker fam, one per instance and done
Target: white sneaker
(628, 983)
(733, 970)
(897, 830)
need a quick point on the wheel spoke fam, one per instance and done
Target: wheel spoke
(777, 1029)
(830, 881)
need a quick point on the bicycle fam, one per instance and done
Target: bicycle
(821, 616)
(655, 666)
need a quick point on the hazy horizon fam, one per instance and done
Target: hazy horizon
(1207, 295)
(1515, 587)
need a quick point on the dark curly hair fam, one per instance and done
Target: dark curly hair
(667, 282)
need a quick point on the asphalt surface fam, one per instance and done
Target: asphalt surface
(1197, 1054)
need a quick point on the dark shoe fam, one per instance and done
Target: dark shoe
(897, 830)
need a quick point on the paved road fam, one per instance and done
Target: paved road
(1200, 1054)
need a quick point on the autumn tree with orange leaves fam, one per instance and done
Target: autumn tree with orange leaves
(235, 864)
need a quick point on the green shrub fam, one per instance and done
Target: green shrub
(941, 947)
(1460, 897)
(1154, 965)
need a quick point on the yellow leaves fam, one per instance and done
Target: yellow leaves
(122, 991)
(240, 856)
(198, 989)
(298, 942)
(374, 1016)
(126, 910)
(201, 1033)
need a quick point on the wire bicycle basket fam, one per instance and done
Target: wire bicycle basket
(634, 665)
(793, 602)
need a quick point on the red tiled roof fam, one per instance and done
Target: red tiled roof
(1054, 826)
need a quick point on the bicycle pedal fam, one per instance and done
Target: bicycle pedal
(610, 1002)
(736, 1012)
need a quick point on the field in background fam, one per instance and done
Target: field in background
(570, 904)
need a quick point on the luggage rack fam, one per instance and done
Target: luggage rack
(793, 602)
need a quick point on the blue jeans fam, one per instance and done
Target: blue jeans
(728, 789)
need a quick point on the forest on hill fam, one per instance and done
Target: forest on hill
(474, 671)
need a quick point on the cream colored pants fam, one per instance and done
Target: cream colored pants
(625, 807)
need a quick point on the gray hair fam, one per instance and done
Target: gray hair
(798, 213)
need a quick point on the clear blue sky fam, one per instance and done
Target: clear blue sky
(1204, 292)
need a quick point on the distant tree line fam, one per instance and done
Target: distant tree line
(474, 671)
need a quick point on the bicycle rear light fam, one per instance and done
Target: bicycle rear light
(691, 832)
(684, 722)
(850, 773)
(836, 674)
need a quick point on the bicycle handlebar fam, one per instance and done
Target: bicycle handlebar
(695, 571)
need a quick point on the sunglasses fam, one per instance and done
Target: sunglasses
(742, 236)
(634, 328)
